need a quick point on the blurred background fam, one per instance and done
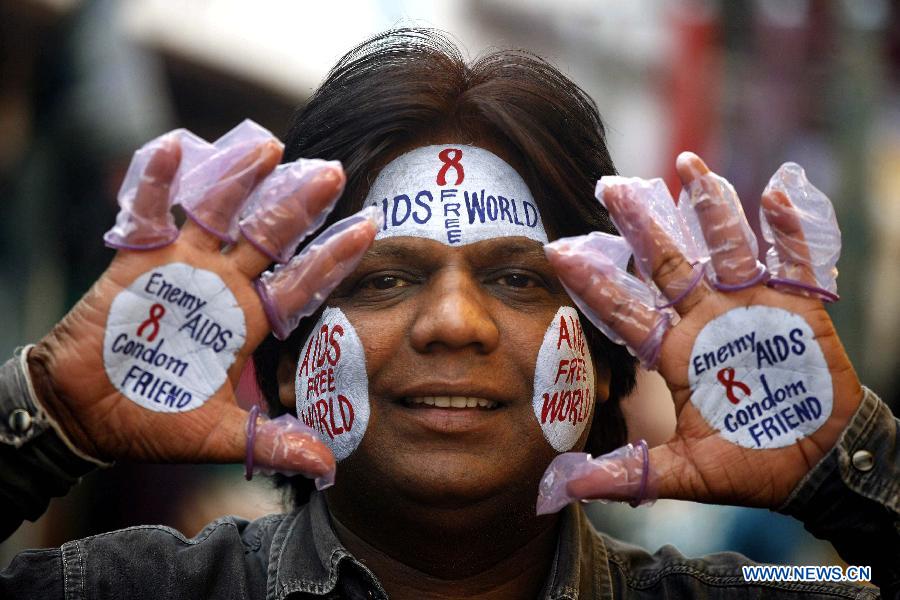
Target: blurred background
(747, 84)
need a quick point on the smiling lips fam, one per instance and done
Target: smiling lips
(450, 402)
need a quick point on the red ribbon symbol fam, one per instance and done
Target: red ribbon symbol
(450, 157)
(156, 313)
(726, 378)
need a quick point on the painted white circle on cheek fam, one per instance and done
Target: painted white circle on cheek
(564, 391)
(171, 337)
(758, 376)
(331, 385)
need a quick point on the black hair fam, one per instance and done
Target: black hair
(404, 87)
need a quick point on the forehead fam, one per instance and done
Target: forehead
(416, 250)
(456, 195)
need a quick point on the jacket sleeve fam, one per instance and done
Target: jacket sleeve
(35, 463)
(852, 497)
(34, 574)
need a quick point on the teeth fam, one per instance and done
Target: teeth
(452, 402)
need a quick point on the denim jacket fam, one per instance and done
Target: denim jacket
(851, 499)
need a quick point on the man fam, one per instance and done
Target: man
(421, 371)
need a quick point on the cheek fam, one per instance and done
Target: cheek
(564, 382)
(331, 387)
(383, 336)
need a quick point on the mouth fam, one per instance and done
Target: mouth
(449, 402)
(467, 412)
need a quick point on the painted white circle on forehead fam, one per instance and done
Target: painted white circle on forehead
(454, 194)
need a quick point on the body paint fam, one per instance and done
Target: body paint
(331, 387)
(171, 337)
(758, 376)
(564, 391)
(456, 195)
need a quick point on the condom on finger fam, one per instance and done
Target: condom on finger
(624, 475)
(285, 440)
(622, 306)
(291, 195)
(650, 201)
(614, 247)
(214, 192)
(646, 215)
(144, 221)
(296, 289)
(712, 212)
(804, 235)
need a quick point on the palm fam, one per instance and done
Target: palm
(107, 419)
(705, 466)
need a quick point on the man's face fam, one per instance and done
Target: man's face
(443, 324)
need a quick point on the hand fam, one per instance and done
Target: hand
(88, 370)
(739, 460)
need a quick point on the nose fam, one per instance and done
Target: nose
(454, 314)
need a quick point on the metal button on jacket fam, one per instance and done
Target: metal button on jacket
(863, 460)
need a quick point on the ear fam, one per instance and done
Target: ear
(287, 366)
(602, 379)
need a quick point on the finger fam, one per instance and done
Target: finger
(625, 474)
(290, 203)
(278, 445)
(619, 476)
(144, 221)
(610, 298)
(654, 249)
(789, 241)
(298, 288)
(152, 198)
(799, 220)
(731, 242)
(289, 447)
(213, 217)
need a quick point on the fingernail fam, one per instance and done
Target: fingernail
(628, 211)
(552, 493)
(571, 269)
(553, 249)
(776, 202)
(690, 166)
(373, 215)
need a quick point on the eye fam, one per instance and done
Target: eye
(383, 282)
(519, 280)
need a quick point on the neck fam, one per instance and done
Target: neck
(450, 553)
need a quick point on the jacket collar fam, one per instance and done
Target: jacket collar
(306, 556)
(580, 568)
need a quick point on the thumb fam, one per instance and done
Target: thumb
(283, 445)
(624, 474)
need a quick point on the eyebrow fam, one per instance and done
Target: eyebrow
(502, 249)
(496, 249)
(396, 252)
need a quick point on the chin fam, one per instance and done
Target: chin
(450, 482)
